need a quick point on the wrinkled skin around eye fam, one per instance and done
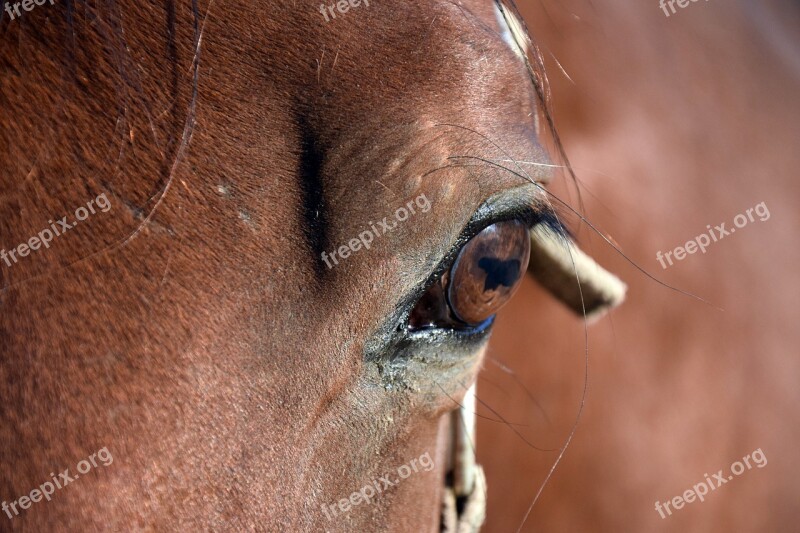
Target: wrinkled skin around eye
(484, 277)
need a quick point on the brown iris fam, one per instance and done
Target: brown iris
(485, 275)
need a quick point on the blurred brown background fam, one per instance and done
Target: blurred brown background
(672, 124)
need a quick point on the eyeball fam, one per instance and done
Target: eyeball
(488, 271)
(483, 278)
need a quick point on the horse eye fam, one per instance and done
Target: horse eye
(485, 276)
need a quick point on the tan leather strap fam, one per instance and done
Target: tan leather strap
(557, 264)
(467, 490)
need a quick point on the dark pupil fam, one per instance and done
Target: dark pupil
(498, 272)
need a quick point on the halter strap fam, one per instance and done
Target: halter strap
(464, 501)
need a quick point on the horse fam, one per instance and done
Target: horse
(253, 252)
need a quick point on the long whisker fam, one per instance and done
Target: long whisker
(534, 163)
(489, 407)
(541, 85)
(510, 425)
(593, 227)
(578, 416)
(506, 154)
(583, 393)
(574, 428)
(524, 175)
(550, 165)
(519, 382)
(527, 176)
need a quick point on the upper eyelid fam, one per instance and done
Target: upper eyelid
(525, 202)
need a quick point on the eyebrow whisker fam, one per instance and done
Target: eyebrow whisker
(534, 163)
(595, 229)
